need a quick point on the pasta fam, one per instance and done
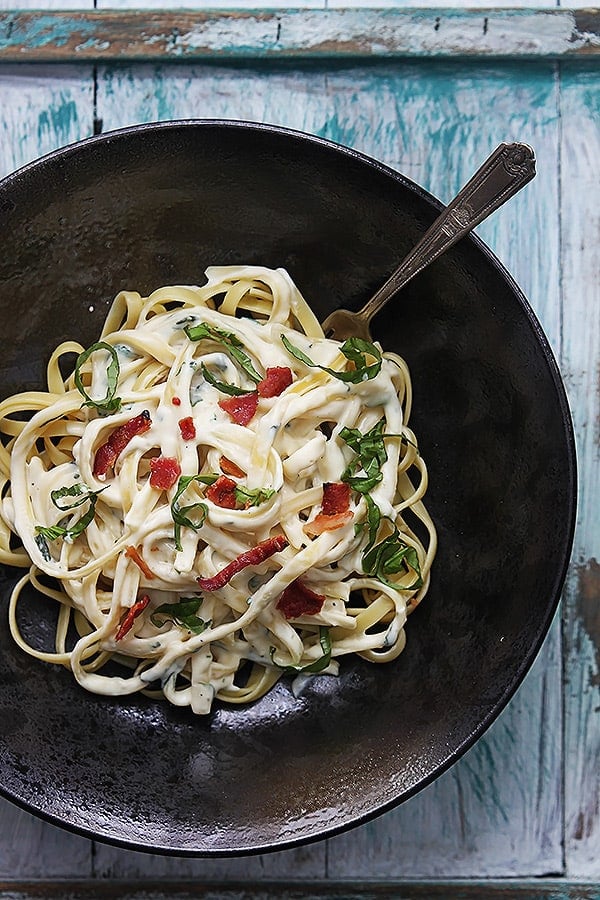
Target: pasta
(218, 495)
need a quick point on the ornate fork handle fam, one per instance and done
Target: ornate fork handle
(504, 173)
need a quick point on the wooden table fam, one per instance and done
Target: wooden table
(429, 91)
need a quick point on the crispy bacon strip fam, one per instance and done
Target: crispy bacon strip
(136, 557)
(298, 600)
(164, 472)
(277, 379)
(108, 453)
(241, 408)
(335, 509)
(229, 468)
(253, 557)
(132, 613)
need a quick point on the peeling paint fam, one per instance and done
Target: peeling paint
(302, 33)
(588, 609)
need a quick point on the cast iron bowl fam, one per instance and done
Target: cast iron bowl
(154, 205)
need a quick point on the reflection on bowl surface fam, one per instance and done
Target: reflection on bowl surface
(154, 205)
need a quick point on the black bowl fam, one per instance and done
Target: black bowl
(156, 204)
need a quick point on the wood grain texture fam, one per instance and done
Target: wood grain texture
(129, 36)
(242, 5)
(499, 809)
(42, 109)
(294, 890)
(580, 107)
(47, 4)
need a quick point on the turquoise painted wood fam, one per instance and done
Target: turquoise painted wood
(580, 287)
(131, 36)
(524, 802)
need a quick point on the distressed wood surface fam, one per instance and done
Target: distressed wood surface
(176, 890)
(97, 35)
(277, 4)
(500, 811)
(581, 309)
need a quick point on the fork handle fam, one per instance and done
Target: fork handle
(504, 173)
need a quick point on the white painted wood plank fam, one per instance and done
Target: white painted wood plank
(211, 4)
(30, 848)
(326, 4)
(580, 152)
(435, 123)
(47, 4)
(443, 4)
(304, 863)
(41, 109)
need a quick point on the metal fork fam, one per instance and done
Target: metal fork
(506, 171)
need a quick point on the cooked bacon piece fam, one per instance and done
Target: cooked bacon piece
(136, 610)
(336, 498)
(323, 523)
(298, 600)
(277, 379)
(230, 468)
(108, 453)
(241, 408)
(164, 472)
(187, 428)
(139, 560)
(222, 492)
(253, 557)
(335, 511)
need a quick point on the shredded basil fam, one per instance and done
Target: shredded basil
(228, 340)
(319, 664)
(222, 386)
(389, 557)
(81, 491)
(182, 613)
(53, 532)
(179, 513)
(42, 545)
(355, 350)
(109, 403)
(252, 496)
(370, 456)
(373, 520)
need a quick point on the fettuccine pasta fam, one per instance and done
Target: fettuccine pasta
(217, 496)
